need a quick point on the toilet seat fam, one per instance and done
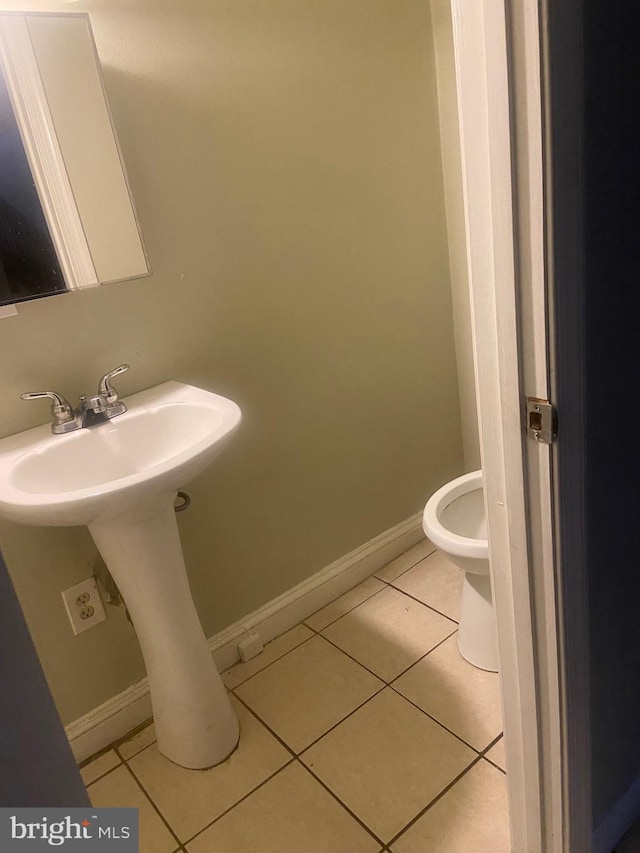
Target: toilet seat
(454, 520)
(443, 522)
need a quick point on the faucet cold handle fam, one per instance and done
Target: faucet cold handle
(61, 411)
(106, 389)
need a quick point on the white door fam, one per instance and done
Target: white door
(498, 63)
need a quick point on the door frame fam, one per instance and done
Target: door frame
(502, 133)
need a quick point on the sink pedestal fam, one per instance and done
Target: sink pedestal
(120, 478)
(195, 724)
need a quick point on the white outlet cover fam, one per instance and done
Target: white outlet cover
(74, 610)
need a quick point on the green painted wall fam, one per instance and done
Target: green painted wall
(284, 158)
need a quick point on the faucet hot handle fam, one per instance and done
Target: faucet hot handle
(60, 408)
(106, 389)
(61, 411)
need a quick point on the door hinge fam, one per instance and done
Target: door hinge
(542, 421)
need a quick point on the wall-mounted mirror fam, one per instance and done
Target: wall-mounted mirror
(67, 219)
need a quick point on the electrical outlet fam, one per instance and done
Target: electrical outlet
(84, 605)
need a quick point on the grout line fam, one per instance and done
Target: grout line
(267, 726)
(135, 731)
(115, 746)
(155, 807)
(327, 640)
(413, 663)
(424, 603)
(492, 744)
(426, 654)
(486, 750)
(135, 754)
(395, 677)
(296, 756)
(280, 741)
(338, 800)
(248, 794)
(404, 571)
(462, 740)
(493, 764)
(242, 799)
(319, 631)
(434, 801)
(271, 663)
(87, 785)
(306, 748)
(313, 742)
(86, 761)
(350, 610)
(350, 714)
(339, 723)
(480, 752)
(351, 657)
(390, 684)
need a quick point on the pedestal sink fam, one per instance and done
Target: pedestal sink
(120, 479)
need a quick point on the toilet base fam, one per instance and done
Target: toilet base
(477, 635)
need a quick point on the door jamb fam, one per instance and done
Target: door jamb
(517, 485)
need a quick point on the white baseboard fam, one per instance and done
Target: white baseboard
(110, 721)
(118, 715)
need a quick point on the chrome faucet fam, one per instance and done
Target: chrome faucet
(90, 411)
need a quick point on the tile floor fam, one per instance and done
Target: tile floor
(362, 729)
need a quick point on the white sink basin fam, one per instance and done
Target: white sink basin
(120, 479)
(169, 434)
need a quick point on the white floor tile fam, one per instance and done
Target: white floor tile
(396, 567)
(190, 799)
(389, 632)
(291, 813)
(99, 766)
(138, 742)
(120, 789)
(436, 582)
(306, 692)
(462, 697)
(272, 651)
(382, 756)
(497, 755)
(387, 761)
(344, 604)
(472, 816)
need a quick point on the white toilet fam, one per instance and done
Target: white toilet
(454, 520)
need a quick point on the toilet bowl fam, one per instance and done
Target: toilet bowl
(454, 520)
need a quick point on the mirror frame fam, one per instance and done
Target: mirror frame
(18, 63)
